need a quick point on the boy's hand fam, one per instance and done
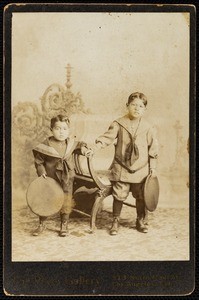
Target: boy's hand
(97, 147)
(89, 153)
(44, 175)
(86, 151)
(153, 172)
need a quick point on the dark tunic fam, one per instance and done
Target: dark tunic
(48, 161)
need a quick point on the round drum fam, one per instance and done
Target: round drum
(45, 196)
(151, 192)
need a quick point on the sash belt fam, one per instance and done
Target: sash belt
(128, 169)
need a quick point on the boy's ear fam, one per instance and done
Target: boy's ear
(127, 104)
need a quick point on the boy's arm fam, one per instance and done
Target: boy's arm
(153, 148)
(108, 137)
(102, 141)
(39, 164)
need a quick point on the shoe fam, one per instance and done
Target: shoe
(141, 226)
(114, 228)
(64, 229)
(39, 230)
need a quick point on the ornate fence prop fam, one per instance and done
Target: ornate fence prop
(30, 125)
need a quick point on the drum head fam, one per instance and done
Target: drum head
(45, 196)
(151, 192)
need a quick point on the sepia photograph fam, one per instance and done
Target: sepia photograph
(100, 139)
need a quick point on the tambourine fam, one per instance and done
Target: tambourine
(45, 196)
(151, 192)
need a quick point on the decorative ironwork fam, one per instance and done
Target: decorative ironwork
(30, 125)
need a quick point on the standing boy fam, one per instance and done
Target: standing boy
(54, 158)
(136, 151)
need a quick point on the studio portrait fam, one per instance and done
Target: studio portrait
(100, 136)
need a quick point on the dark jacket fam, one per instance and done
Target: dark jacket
(48, 161)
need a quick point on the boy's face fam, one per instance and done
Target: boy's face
(60, 131)
(136, 108)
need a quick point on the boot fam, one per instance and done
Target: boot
(115, 225)
(142, 216)
(140, 226)
(40, 228)
(146, 217)
(64, 225)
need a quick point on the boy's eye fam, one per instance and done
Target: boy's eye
(58, 128)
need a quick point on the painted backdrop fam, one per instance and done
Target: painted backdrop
(110, 55)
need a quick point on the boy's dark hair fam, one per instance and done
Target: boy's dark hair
(60, 118)
(138, 96)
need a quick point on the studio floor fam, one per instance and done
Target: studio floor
(167, 238)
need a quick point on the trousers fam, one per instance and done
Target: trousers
(120, 193)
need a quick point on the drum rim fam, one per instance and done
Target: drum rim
(49, 179)
(145, 187)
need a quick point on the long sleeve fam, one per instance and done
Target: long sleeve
(109, 136)
(39, 164)
(153, 147)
